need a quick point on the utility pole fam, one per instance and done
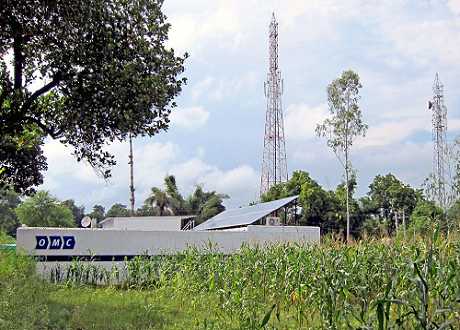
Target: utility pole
(274, 164)
(131, 165)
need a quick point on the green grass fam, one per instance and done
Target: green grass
(410, 284)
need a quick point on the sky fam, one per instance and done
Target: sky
(216, 132)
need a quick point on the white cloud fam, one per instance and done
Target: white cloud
(200, 87)
(204, 23)
(454, 6)
(301, 120)
(191, 117)
(393, 131)
(61, 162)
(213, 88)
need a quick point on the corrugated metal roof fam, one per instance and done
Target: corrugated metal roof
(243, 216)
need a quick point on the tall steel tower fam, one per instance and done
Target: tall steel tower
(441, 165)
(274, 165)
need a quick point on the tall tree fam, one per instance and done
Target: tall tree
(84, 72)
(44, 210)
(345, 125)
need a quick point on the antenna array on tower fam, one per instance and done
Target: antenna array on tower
(274, 165)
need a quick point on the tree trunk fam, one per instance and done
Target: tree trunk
(396, 222)
(404, 221)
(348, 193)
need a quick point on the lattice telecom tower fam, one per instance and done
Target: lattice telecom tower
(441, 165)
(274, 165)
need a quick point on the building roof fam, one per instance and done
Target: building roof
(244, 216)
(147, 218)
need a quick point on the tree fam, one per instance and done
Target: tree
(391, 196)
(168, 200)
(44, 210)
(9, 201)
(291, 188)
(205, 204)
(146, 211)
(78, 212)
(426, 215)
(160, 198)
(176, 201)
(345, 125)
(83, 72)
(98, 213)
(118, 210)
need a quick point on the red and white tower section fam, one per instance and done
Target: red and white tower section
(274, 164)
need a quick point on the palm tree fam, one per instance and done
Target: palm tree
(160, 198)
(176, 201)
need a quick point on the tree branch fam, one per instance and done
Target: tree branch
(18, 57)
(56, 79)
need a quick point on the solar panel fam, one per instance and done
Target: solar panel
(243, 216)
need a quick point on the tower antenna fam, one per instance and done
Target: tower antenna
(441, 164)
(274, 164)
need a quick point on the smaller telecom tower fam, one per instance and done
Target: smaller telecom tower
(441, 164)
(274, 165)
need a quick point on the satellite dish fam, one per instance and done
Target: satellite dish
(86, 221)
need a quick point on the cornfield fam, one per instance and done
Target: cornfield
(403, 284)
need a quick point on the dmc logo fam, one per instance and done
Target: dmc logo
(55, 242)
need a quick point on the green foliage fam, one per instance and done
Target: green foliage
(98, 213)
(291, 188)
(160, 199)
(146, 211)
(388, 195)
(86, 73)
(6, 239)
(205, 204)
(78, 212)
(425, 216)
(201, 203)
(22, 294)
(9, 201)
(44, 210)
(405, 284)
(118, 210)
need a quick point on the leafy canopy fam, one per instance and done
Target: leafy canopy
(44, 210)
(84, 72)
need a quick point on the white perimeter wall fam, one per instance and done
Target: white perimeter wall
(132, 242)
